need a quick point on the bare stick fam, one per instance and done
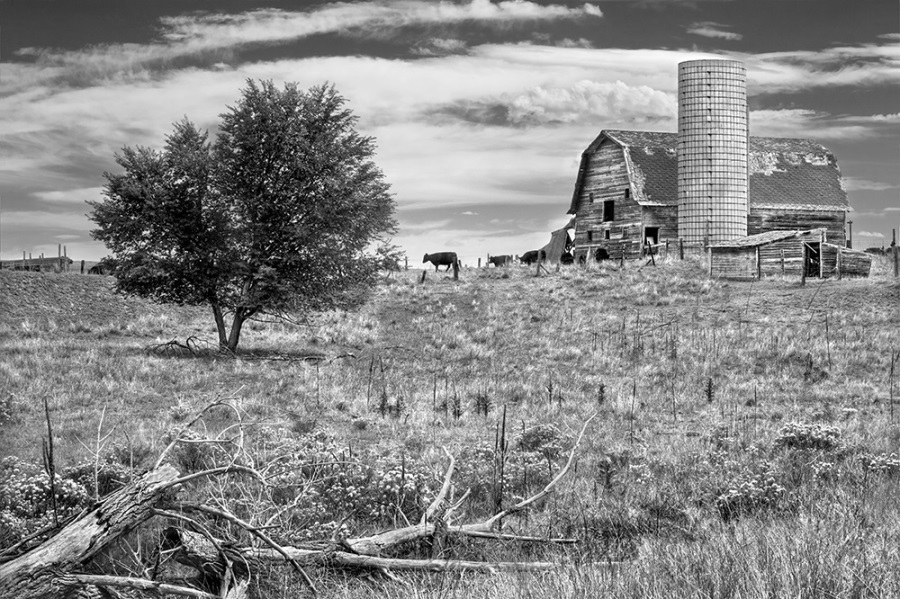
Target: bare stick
(445, 488)
(254, 531)
(141, 584)
(489, 523)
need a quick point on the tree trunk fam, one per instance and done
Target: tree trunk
(235, 336)
(46, 570)
(220, 324)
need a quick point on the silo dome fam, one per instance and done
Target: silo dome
(713, 132)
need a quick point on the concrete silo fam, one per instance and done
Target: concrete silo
(713, 131)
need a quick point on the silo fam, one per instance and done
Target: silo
(712, 150)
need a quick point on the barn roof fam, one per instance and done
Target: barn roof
(763, 238)
(785, 173)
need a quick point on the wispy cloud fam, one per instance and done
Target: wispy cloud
(211, 38)
(714, 30)
(870, 234)
(584, 102)
(803, 122)
(857, 184)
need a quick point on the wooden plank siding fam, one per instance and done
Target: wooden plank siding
(606, 177)
(770, 256)
(733, 263)
(853, 263)
(761, 220)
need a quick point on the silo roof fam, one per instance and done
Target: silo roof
(785, 173)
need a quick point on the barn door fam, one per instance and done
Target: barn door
(813, 265)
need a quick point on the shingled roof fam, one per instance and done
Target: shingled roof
(787, 174)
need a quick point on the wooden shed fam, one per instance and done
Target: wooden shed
(792, 253)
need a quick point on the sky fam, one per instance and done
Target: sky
(479, 109)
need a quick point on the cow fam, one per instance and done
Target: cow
(567, 258)
(530, 257)
(601, 254)
(447, 259)
(500, 260)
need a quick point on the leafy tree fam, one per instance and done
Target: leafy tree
(275, 217)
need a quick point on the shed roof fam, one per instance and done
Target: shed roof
(785, 173)
(763, 238)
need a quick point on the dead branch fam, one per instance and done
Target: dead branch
(140, 584)
(38, 572)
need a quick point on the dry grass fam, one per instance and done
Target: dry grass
(693, 380)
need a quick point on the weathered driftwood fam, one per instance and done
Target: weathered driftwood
(42, 571)
(207, 555)
(55, 569)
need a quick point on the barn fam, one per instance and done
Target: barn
(560, 242)
(626, 191)
(790, 253)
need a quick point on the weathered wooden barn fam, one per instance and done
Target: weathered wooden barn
(560, 242)
(790, 253)
(626, 191)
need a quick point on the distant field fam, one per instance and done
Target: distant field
(746, 443)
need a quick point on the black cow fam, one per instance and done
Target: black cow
(447, 259)
(601, 254)
(531, 257)
(567, 258)
(500, 260)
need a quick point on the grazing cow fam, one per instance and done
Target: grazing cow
(601, 254)
(531, 257)
(447, 259)
(567, 258)
(500, 260)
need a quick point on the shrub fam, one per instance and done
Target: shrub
(750, 493)
(808, 436)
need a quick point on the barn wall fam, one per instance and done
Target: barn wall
(733, 263)
(664, 217)
(762, 220)
(770, 257)
(606, 176)
(853, 263)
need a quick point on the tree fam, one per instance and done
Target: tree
(275, 217)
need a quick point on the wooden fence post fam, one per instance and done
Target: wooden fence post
(456, 270)
(479, 261)
(405, 263)
(802, 263)
(667, 249)
(681, 249)
(894, 247)
(838, 263)
(82, 267)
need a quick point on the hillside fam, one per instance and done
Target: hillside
(739, 425)
(67, 299)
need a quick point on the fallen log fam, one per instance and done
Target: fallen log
(42, 571)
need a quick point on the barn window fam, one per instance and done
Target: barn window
(627, 193)
(590, 236)
(591, 197)
(608, 211)
(606, 234)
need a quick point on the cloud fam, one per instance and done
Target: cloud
(211, 39)
(870, 234)
(439, 47)
(585, 102)
(469, 213)
(857, 184)
(875, 64)
(714, 30)
(803, 122)
(76, 196)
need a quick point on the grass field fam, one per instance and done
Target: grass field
(746, 440)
